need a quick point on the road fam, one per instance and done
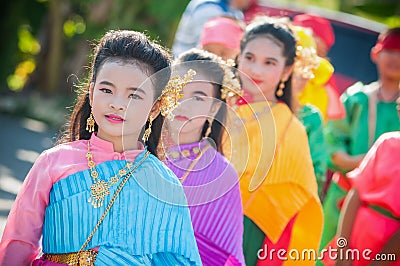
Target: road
(21, 142)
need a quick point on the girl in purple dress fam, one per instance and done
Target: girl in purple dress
(191, 143)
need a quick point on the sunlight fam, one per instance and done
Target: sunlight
(10, 184)
(6, 204)
(27, 155)
(34, 125)
(3, 221)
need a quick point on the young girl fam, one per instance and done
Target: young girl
(279, 191)
(97, 198)
(210, 182)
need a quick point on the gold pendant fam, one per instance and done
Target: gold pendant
(99, 191)
(87, 258)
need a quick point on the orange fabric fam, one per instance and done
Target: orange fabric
(277, 185)
(283, 243)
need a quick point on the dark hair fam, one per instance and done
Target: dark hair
(278, 31)
(128, 47)
(209, 65)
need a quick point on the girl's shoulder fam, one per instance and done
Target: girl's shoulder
(358, 93)
(67, 148)
(219, 162)
(156, 168)
(71, 153)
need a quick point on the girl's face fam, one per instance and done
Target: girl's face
(221, 50)
(121, 101)
(197, 105)
(388, 63)
(322, 48)
(263, 62)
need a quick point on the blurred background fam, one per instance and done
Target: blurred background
(47, 45)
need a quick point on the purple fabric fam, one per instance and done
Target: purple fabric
(213, 193)
(43, 262)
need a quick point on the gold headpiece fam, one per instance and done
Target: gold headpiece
(307, 59)
(230, 84)
(172, 93)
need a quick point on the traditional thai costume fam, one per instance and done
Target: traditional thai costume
(277, 181)
(149, 222)
(212, 189)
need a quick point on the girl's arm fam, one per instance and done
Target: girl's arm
(347, 217)
(20, 242)
(345, 161)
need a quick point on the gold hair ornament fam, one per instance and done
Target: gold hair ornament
(230, 84)
(173, 92)
(306, 61)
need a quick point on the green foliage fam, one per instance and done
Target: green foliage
(25, 30)
(28, 47)
(158, 18)
(73, 26)
(384, 11)
(20, 21)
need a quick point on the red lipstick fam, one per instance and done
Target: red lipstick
(116, 119)
(181, 118)
(257, 81)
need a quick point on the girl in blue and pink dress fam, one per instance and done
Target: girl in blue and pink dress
(101, 197)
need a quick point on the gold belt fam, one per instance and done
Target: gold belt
(83, 258)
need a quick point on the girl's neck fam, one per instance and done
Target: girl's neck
(389, 89)
(189, 138)
(121, 144)
(121, 147)
(262, 97)
(185, 138)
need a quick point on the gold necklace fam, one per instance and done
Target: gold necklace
(184, 153)
(100, 188)
(238, 121)
(193, 164)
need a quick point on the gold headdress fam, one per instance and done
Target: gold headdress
(307, 59)
(172, 93)
(230, 84)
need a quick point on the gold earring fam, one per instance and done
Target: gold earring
(90, 123)
(147, 132)
(279, 93)
(208, 131)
